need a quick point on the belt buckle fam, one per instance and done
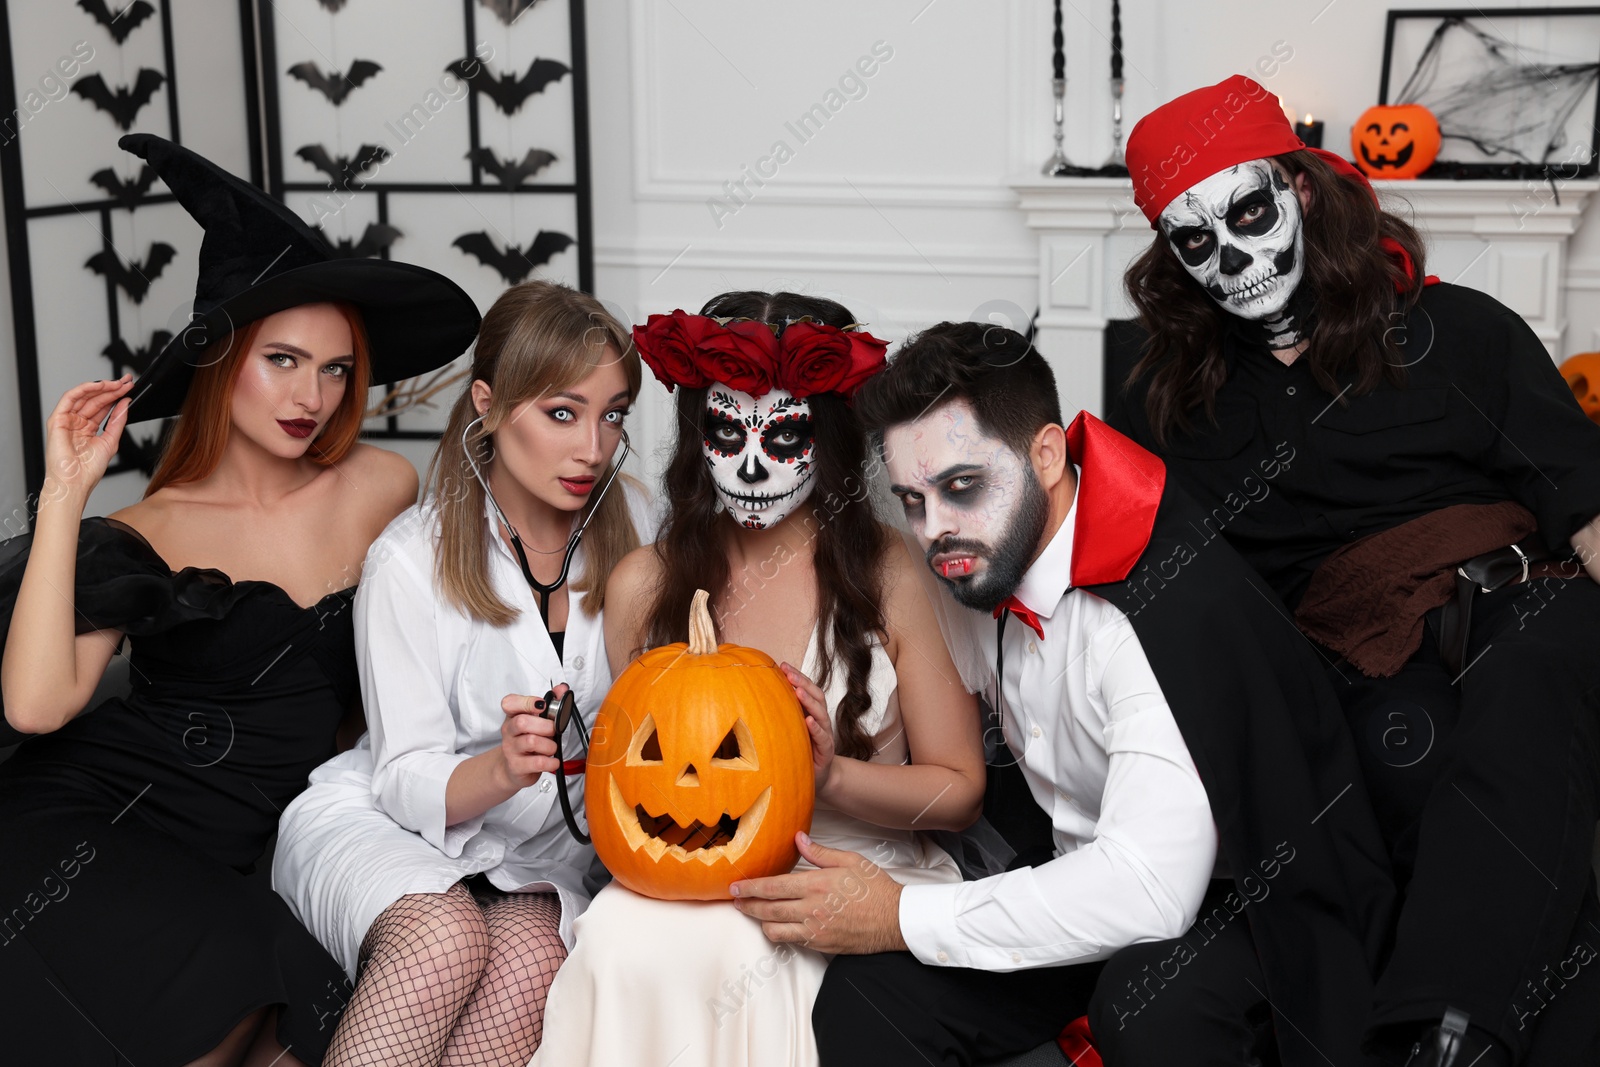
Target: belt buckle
(1523, 556)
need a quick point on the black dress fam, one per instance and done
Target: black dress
(129, 932)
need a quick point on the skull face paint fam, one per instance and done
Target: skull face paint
(761, 452)
(975, 506)
(1239, 234)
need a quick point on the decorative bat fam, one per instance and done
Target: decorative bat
(127, 193)
(513, 264)
(508, 10)
(374, 240)
(508, 91)
(335, 86)
(135, 359)
(123, 105)
(509, 173)
(344, 171)
(119, 23)
(135, 278)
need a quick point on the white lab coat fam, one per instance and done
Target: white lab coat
(370, 828)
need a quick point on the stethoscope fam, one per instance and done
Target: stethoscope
(562, 710)
(541, 590)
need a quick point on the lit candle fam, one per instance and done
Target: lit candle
(1116, 40)
(1309, 131)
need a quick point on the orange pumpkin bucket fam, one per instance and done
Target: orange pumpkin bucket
(1582, 373)
(1395, 140)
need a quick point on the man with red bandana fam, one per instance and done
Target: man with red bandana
(1435, 535)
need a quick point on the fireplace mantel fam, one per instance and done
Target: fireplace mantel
(1507, 238)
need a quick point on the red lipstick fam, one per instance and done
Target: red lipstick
(577, 486)
(301, 428)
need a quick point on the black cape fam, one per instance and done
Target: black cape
(1278, 764)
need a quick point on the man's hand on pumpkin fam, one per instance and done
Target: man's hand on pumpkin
(847, 905)
(527, 741)
(819, 726)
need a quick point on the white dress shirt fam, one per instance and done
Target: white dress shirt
(371, 826)
(1102, 754)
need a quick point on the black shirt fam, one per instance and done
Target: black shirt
(1290, 472)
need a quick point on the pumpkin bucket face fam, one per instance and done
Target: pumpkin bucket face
(699, 772)
(1582, 373)
(1395, 140)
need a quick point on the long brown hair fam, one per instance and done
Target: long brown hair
(205, 421)
(1353, 279)
(849, 544)
(537, 339)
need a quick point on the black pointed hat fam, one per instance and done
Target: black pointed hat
(258, 258)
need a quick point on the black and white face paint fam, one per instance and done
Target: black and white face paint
(761, 452)
(1239, 234)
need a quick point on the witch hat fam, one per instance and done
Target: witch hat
(258, 258)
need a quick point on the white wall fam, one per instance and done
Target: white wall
(898, 206)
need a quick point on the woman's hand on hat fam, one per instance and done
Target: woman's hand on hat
(76, 453)
(819, 726)
(527, 740)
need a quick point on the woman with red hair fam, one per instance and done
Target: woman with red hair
(134, 934)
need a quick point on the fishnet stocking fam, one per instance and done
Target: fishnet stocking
(504, 1020)
(418, 967)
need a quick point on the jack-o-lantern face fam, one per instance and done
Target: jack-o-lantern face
(1395, 140)
(1582, 373)
(699, 769)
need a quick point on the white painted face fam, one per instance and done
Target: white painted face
(761, 452)
(975, 506)
(1239, 234)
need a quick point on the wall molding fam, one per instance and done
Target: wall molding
(653, 183)
(967, 261)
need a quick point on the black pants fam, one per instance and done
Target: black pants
(1193, 1000)
(1488, 788)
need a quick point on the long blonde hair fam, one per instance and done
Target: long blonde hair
(537, 339)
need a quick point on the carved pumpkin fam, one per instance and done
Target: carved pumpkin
(1582, 373)
(699, 769)
(1395, 140)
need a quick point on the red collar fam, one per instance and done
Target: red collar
(1119, 490)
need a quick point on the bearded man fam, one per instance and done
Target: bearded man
(1435, 534)
(1216, 883)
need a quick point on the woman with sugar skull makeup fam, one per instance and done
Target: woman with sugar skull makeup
(1431, 519)
(768, 509)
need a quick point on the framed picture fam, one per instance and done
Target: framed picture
(1514, 89)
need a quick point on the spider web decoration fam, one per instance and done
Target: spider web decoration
(1511, 103)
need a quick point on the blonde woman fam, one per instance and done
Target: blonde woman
(433, 860)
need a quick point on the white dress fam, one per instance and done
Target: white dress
(370, 828)
(654, 982)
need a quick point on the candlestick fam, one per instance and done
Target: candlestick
(1116, 41)
(1117, 158)
(1057, 166)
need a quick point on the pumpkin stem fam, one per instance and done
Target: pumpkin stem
(702, 632)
